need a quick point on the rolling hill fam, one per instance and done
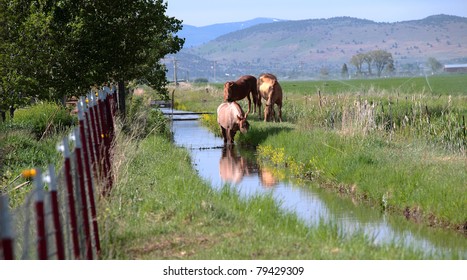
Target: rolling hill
(195, 36)
(302, 49)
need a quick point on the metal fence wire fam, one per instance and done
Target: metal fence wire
(58, 218)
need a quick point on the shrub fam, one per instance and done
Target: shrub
(142, 120)
(44, 119)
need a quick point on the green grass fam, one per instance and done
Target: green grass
(43, 119)
(430, 183)
(434, 85)
(406, 145)
(28, 141)
(161, 209)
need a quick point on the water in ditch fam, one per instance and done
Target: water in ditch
(240, 169)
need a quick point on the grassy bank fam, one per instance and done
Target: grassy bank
(413, 180)
(28, 141)
(161, 209)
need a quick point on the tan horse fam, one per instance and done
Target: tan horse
(271, 91)
(231, 119)
(241, 88)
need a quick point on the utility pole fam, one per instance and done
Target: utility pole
(214, 70)
(175, 71)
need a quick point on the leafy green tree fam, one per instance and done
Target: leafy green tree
(344, 71)
(390, 68)
(368, 59)
(120, 40)
(53, 48)
(434, 64)
(357, 60)
(380, 59)
(24, 52)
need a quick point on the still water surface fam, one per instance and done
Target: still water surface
(239, 168)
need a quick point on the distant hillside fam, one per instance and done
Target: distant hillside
(195, 36)
(303, 48)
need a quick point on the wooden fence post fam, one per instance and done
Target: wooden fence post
(71, 198)
(82, 190)
(52, 180)
(87, 168)
(40, 215)
(6, 231)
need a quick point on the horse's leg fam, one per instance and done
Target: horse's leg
(259, 108)
(255, 101)
(232, 136)
(224, 135)
(279, 105)
(249, 104)
(269, 106)
(273, 112)
(230, 139)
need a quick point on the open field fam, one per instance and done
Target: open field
(431, 85)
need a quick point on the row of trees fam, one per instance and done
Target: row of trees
(380, 59)
(53, 48)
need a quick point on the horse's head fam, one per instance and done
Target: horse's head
(271, 90)
(228, 91)
(243, 124)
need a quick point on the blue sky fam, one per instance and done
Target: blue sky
(206, 12)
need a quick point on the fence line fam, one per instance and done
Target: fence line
(58, 218)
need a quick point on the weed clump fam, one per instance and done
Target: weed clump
(43, 119)
(143, 120)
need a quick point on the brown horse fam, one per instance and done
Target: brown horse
(241, 88)
(271, 91)
(231, 119)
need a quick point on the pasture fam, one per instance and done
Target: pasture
(432, 85)
(391, 140)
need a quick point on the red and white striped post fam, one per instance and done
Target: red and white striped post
(113, 99)
(87, 168)
(85, 104)
(6, 230)
(51, 179)
(65, 148)
(106, 143)
(109, 113)
(40, 215)
(95, 133)
(82, 189)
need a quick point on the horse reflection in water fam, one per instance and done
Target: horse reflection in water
(233, 168)
(267, 178)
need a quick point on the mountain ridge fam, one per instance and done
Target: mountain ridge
(197, 35)
(305, 47)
